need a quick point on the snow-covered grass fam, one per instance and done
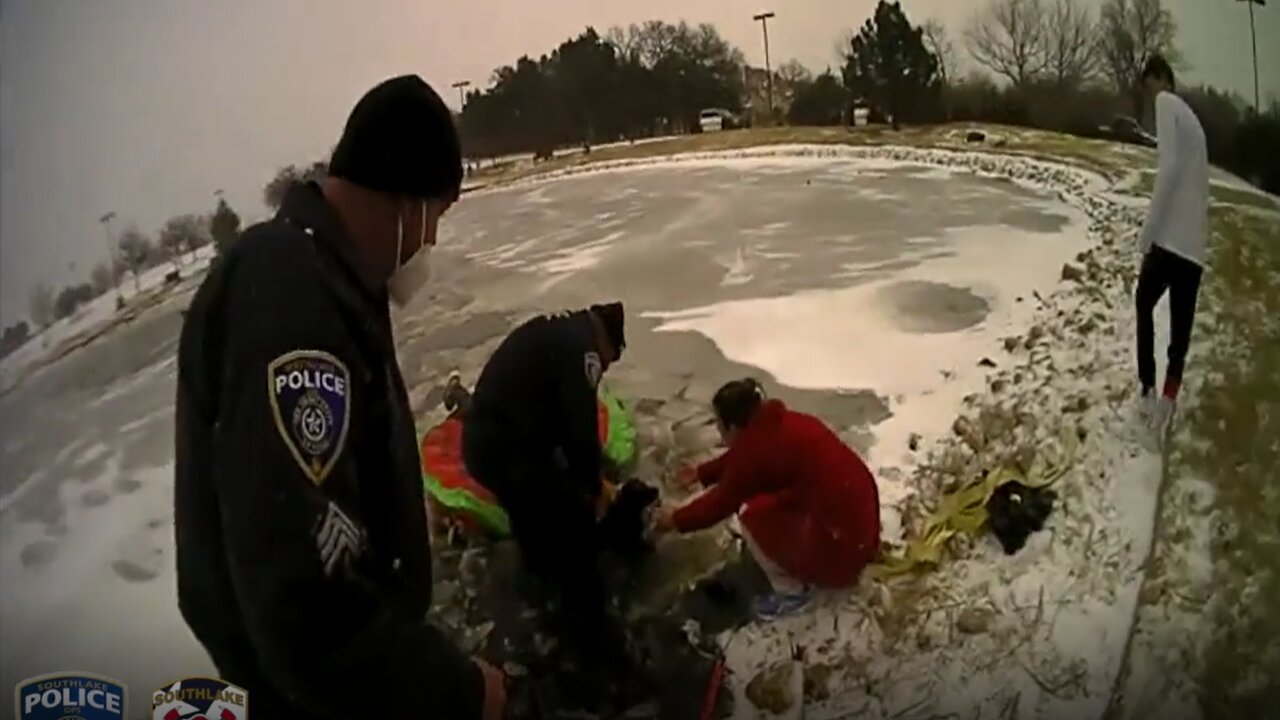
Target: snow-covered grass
(1091, 154)
(96, 315)
(1224, 189)
(1212, 629)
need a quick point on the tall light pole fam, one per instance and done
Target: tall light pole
(462, 100)
(1253, 34)
(763, 19)
(111, 255)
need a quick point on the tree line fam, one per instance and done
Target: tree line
(1051, 64)
(133, 253)
(1062, 66)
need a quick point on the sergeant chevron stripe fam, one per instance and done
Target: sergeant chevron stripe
(338, 539)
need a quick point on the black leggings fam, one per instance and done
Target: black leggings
(1163, 270)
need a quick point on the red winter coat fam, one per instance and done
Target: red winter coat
(809, 501)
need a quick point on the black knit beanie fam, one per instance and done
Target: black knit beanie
(611, 317)
(401, 139)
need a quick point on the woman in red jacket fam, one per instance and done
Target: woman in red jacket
(808, 504)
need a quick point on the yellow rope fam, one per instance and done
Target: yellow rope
(962, 511)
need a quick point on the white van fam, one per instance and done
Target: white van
(711, 120)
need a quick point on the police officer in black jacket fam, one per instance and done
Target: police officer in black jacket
(531, 437)
(304, 562)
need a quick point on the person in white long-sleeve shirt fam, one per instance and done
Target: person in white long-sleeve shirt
(1173, 241)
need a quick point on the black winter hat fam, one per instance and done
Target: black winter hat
(612, 317)
(401, 139)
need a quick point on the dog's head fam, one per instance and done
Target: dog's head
(624, 526)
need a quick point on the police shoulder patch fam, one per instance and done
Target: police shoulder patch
(593, 368)
(310, 393)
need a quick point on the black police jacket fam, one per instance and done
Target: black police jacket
(304, 560)
(536, 400)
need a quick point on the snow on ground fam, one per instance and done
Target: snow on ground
(868, 159)
(526, 159)
(72, 586)
(96, 313)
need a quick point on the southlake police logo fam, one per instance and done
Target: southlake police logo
(200, 698)
(311, 403)
(70, 696)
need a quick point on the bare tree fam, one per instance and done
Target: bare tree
(101, 278)
(938, 42)
(42, 306)
(135, 252)
(1071, 48)
(182, 234)
(655, 40)
(793, 72)
(1008, 38)
(625, 43)
(1129, 33)
(792, 76)
(286, 177)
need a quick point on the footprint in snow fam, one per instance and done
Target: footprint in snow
(38, 554)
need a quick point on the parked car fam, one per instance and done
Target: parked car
(1128, 130)
(716, 119)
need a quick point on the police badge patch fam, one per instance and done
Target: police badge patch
(71, 696)
(593, 367)
(310, 395)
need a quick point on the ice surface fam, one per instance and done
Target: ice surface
(851, 338)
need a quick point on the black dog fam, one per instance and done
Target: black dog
(1015, 511)
(623, 527)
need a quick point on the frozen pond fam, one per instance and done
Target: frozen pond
(851, 287)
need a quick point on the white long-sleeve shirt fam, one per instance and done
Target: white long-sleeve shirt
(1178, 218)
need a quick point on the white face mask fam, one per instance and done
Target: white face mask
(410, 277)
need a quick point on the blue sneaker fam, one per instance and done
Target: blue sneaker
(778, 605)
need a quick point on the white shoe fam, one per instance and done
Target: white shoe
(455, 394)
(1143, 418)
(1162, 418)
(1143, 410)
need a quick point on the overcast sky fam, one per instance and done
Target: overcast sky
(146, 107)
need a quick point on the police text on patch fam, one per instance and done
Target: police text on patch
(58, 693)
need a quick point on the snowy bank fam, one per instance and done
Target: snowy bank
(97, 314)
(1045, 631)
